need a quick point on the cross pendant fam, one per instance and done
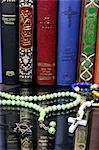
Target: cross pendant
(75, 123)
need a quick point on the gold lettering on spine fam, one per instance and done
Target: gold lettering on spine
(46, 71)
(10, 73)
(26, 28)
(10, 1)
(8, 19)
(46, 22)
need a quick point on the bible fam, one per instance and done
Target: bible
(9, 30)
(87, 42)
(68, 40)
(46, 42)
(26, 15)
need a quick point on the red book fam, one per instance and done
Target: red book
(46, 41)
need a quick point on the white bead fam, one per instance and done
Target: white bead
(77, 89)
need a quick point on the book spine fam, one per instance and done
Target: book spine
(11, 140)
(96, 74)
(68, 39)
(45, 141)
(93, 142)
(87, 42)
(26, 141)
(27, 119)
(46, 42)
(2, 130)
(81, 135)
(0, 49)
(26, 15)
(9, 41)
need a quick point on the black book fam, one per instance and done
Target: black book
(9, 31)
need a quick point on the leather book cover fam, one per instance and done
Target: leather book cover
(26, 21)
(87, 41)
(45, 141)
(96, 73)
(93, 134)
(0, 49)
(81, 135)
(68, 40)
(2, 130)
(46, 41)
(9, 31)
(11, 118)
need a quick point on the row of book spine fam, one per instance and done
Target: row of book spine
(58, 41)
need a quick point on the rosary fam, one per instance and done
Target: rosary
(30, 102)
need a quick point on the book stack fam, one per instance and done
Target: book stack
(49, 42)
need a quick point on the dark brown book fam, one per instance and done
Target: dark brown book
(81, 135)
(87, 42)
(93, 133)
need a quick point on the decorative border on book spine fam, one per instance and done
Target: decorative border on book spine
(88, 42)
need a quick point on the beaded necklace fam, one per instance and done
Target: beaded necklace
(29, 102)
(83, 86)
(95, 92)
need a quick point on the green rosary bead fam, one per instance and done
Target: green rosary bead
(30, 98)
(54, 107)
(22, 103)
(63, 106)
(67, 94)
(52, 124)
(3, 102)
(59, 94)
(17, 102)
(68, 106)
(43, 97)
(13, 97)
(13, 102)
(30, 105)
(22, 98)
(41, 119)
(50, 108)
(40, 98)
(8, 102)
(59, 107)
(26, 98)
(42, 113)
(26, 104)
(51, 96)
(18, 97)
(63, 94)
(35, 98)
(51, 130)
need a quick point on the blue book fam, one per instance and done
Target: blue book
(63, 141)
(68, 39)
(0, 50)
